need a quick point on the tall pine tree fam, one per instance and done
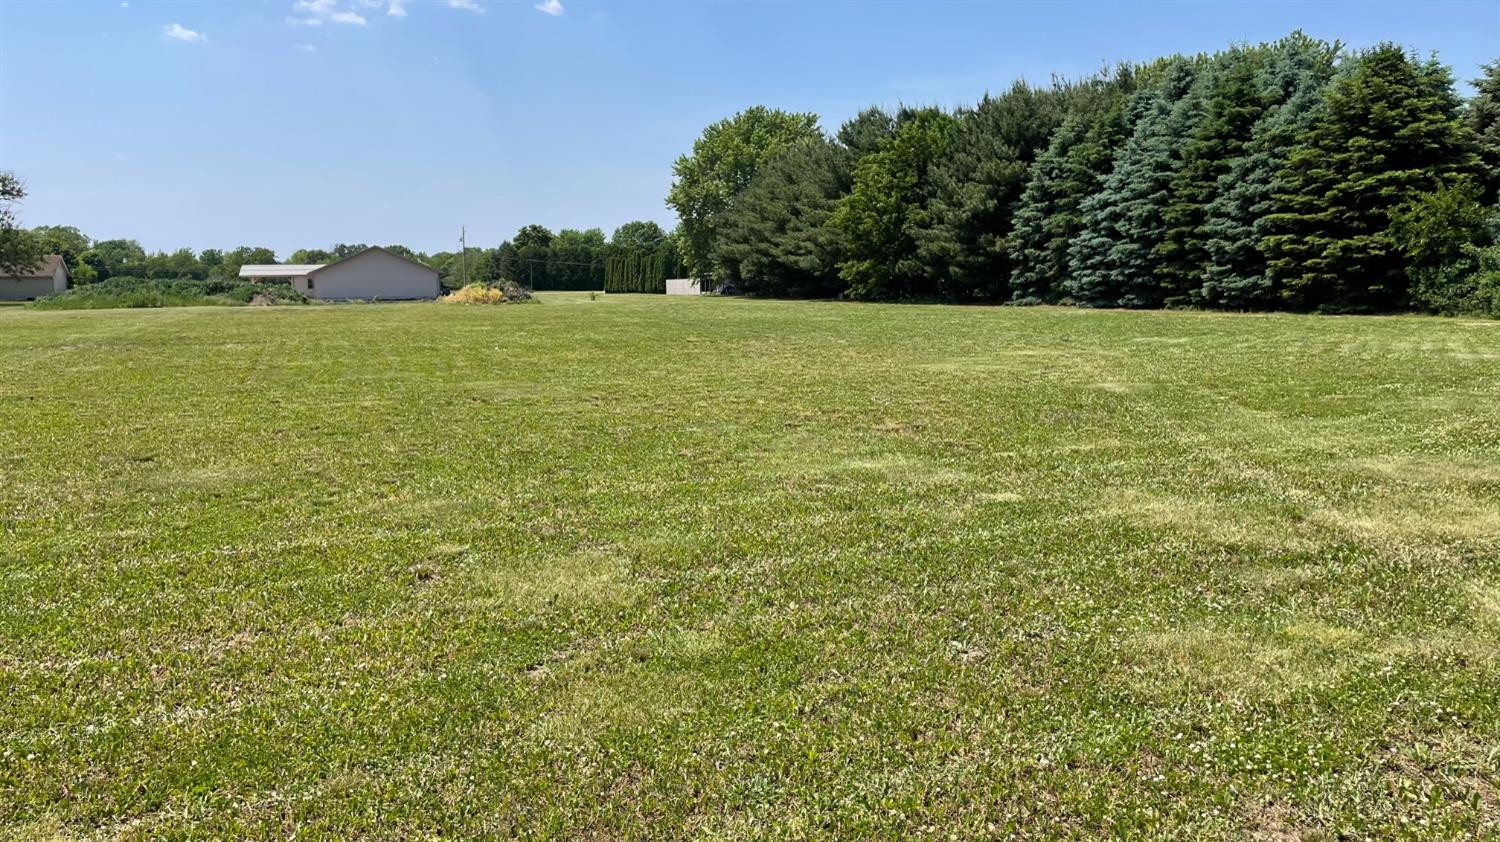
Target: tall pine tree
(1228, 102)
(1389, 129)
(1113, 256)
(774, 240)
(977, 187)
(1484, 119)
(1074, 164)
(1290, 90)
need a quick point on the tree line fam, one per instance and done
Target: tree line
(637, 258)
(1287, 175)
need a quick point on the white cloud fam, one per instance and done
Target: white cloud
(397, 9)
(316, 12)
(182, 33)
(307, 48)
(467, 5)
(550, 7)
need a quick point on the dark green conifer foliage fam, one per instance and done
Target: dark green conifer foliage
(775, 239)
(977, 187)
(1484, 119)
(1290, 88)
(1074, 164)
(1112, 257)
(1225, 105)
(863, 133)
(1390, 127)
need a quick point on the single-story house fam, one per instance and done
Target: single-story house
(48, 277)
(372, 273)
(683, 286)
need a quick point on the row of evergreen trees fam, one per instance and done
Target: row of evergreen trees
(1288, 175)
(640, 270)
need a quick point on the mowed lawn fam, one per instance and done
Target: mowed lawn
(651, 567)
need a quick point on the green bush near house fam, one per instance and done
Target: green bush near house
(129, 292)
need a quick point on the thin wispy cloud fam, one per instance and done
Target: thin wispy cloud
(397, 9)
(307, 48)
(467, 5)
(181, 33)
(549, 7)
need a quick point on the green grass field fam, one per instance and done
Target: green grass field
(666, 567)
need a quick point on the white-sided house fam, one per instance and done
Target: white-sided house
(46, 278)
(373, 273)
(683, 286)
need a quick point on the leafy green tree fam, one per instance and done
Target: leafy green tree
(724, 160)
(241, 256)
(1440, 235)
(1390, 128)
(111, 258)
(640, 234)
(1078, 156)
(577, 260)
(64, 240)
(776, 240)
(1290, 88)
(978, 185)
(533, 256)
(180, 264)
(639, 257)
(502, 263)
(1484, 119)
(533, 236)
(310, 256)
(405, 252)
(1113, 257)
(887, 208)
(19, 250)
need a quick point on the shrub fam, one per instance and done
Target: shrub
(482, 293)
(1443, 235)
(130, 292)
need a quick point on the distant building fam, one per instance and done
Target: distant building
(373, 273)
(46, 278)
(683, 286)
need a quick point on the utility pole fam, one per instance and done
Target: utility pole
(463, 247)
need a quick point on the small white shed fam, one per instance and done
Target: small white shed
(46, 278)
(683, 286)
(372, 273)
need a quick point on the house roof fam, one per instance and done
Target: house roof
(287, 270)
(46, 269)
(278, 270)
(379, 249)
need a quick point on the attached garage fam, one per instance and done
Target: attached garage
(373, 273)
(46, 278)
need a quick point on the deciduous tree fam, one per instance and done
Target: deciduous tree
(724, 160)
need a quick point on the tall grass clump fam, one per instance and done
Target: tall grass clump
(128, 292)
(482, 293)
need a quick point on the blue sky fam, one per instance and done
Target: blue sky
(294, 123)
